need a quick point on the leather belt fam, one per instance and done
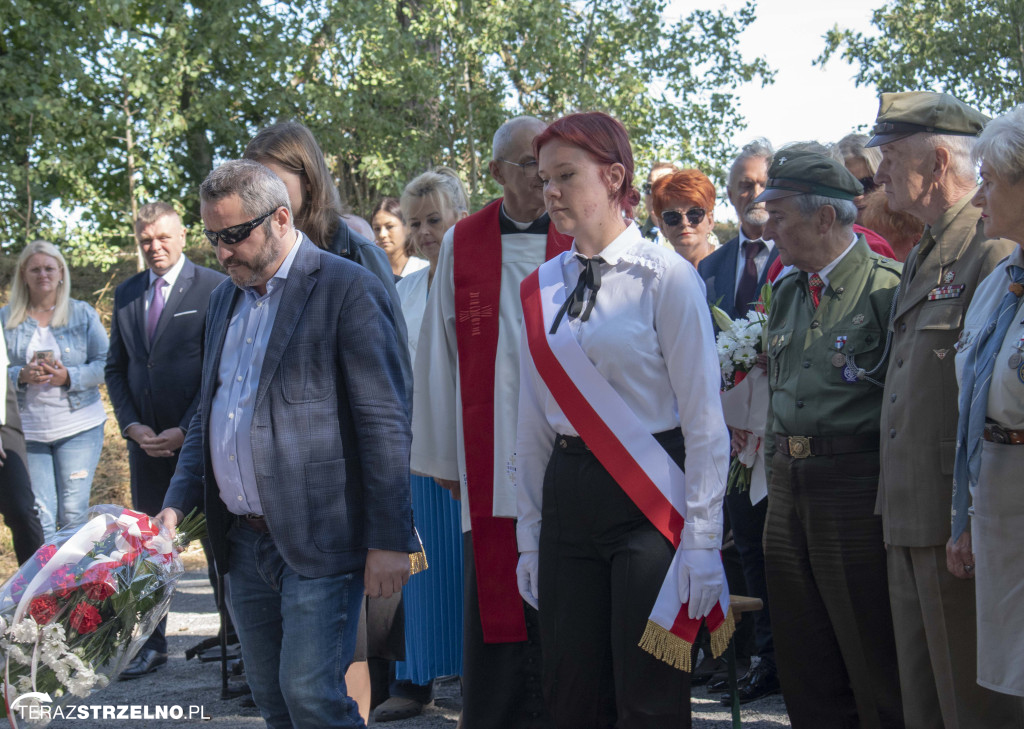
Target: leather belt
(996, 434)
(799, 446)
(255, 522)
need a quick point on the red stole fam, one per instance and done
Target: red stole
(477, 276)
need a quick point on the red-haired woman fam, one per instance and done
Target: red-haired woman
(684, 204)
(619, 371)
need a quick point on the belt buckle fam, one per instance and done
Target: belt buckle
(799, 446)
(999, 435)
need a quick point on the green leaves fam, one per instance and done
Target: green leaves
(973, 49)
(127, 101)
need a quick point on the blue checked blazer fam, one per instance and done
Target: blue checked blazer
(330, 432)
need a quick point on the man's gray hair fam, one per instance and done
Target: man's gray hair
(502, 137)
(960, 149)
(259, 189)
(759, 148)
(852, 145)
(1001, 145)
(846, 211)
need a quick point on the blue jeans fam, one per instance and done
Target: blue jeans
(61, 473)
(298, 634)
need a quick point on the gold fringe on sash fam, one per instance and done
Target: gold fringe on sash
(668, 647)
(417, 562)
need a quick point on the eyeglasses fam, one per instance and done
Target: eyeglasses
(236, 233)
(646, 187)
(672, 218)
(868, 183)
(529, 169)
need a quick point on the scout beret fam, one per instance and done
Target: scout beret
(809, 173)
(909, 112)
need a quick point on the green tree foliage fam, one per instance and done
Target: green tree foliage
(107, 104)
(973, 49)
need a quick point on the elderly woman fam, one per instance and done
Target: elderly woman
(862, 162)
(390, 233)
(431, 204)
(618, 395)
(57, 349)
(684, 203)
(990, 433)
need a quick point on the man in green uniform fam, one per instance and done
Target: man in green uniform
(824, 557)
(926, 139)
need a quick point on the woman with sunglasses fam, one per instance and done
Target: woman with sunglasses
(862, 162)
(618, 397)
(684, 202)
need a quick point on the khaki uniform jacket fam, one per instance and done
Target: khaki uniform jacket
(809, 395)
(919, 408)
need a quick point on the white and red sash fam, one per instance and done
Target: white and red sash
(477, 275)
(626, 448)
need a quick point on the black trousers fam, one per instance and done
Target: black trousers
(826, 568)
(747, 523)
(602, 564)
(501, 686)
(17, 503)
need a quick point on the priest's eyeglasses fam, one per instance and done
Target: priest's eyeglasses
(236, 233)
(672, 218)
(529, 169)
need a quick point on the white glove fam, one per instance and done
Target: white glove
(700, 580)
(526, 576)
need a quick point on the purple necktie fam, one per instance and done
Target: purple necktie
(156, 306)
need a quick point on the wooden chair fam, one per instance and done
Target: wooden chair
(740, 604)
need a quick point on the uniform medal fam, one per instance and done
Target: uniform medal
(838, 359)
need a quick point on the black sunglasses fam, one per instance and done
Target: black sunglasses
(672, 218)
(236, 233)
(868, 183)
(646, 188)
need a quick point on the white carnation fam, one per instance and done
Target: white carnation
(25, 631)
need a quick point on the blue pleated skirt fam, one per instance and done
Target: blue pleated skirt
(433, 598)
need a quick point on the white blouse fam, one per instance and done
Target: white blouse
(650, 335)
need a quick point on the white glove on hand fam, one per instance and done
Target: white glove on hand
(526, 576)
(700, 580)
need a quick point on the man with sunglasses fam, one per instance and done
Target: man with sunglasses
(926, 170)
(298, 452)
(154, 367)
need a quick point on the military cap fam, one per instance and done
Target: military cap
(809, 173)
(909, 112)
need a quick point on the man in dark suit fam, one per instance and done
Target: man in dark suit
(734, 275)
(299, 450)
(153, 369)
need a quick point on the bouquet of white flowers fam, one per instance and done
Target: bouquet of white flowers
(745, 392)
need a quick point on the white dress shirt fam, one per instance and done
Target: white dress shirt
(650, 335)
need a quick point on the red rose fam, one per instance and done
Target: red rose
(63, 581)
(44, 554)
(85, 618)
(98, 583)
(43, 608)
(18, 587)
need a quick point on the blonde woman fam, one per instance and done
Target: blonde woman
(57, 349)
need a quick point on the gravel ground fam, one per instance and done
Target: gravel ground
(195, 686)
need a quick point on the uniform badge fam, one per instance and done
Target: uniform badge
(963, 342)
(941, 353)
(840, 341)
(858, 319)
(838, 360)
(948, 278)
(850, 373)
(1020, 372)
(1015, 360)
(947, 291)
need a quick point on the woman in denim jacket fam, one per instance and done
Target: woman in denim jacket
(57, 349)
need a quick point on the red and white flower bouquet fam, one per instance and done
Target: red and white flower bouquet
(77, 612)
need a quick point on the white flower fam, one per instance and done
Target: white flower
(745, 356)
(61, 671)
(80, 687)
(756, 317)
(25, 631)
(24, 684)
(102, 681)
(18, 655)
(54, 633)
